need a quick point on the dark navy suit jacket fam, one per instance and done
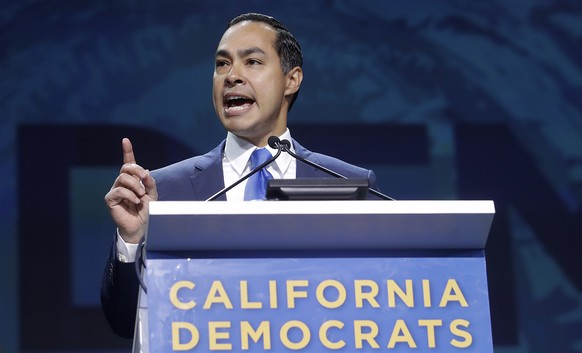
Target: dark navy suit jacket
(194, 179)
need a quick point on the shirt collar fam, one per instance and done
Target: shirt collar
(238, 151)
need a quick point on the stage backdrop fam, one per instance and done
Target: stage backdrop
(443, 99)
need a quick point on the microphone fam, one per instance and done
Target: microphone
(275, 143)
(254, 171)
(285, 145)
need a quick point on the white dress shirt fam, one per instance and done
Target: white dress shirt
(235, 164)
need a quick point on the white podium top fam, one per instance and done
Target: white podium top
(318, 225)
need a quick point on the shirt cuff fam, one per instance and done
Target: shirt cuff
(125, 251)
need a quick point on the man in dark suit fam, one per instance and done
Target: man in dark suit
(256, 79)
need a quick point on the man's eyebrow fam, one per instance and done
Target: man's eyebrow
(222, 52)
(250, 51)
(241, 53)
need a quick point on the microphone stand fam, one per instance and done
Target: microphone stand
(284, 145)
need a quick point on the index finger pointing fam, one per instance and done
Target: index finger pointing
(127, 148)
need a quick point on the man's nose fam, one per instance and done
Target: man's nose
(235, 75)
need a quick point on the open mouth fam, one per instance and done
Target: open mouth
(237, 103)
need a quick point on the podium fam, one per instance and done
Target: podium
(316, 276)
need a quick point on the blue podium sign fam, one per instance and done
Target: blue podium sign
(319, 304)
(316, 276)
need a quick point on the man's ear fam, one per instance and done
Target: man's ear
(294, 78)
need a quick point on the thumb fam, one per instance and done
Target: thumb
(149, 184)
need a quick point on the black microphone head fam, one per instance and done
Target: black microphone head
(274, 142)
(286, 143)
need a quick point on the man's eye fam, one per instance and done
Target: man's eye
(221, 63)
(253, 62)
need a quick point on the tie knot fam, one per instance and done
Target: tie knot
(259, 156)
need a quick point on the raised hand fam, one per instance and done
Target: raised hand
(129, 196)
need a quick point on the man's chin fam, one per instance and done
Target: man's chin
(249, 136)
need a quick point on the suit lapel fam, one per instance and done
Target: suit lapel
(208, 177)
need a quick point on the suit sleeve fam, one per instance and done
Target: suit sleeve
(119, 295)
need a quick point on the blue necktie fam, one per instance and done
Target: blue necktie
(256, 188)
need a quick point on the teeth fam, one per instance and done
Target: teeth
(237, 103)
(239, 107)
(235, 98)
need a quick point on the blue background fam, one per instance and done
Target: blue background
(444, 99)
